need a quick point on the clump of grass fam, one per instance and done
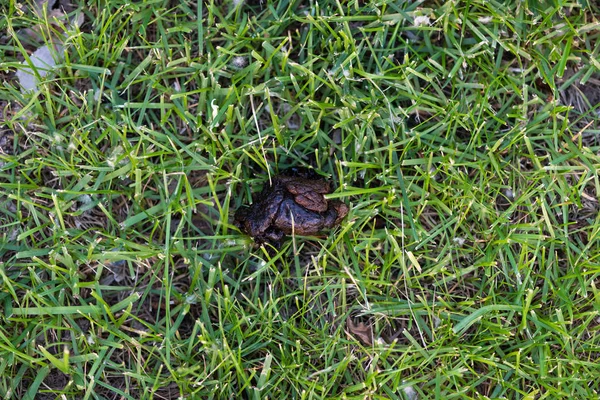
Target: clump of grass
(466, 268)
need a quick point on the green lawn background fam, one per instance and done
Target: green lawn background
(462, 134)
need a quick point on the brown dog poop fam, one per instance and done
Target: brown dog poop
(291, 205)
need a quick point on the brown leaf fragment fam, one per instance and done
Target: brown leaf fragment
(361, 331)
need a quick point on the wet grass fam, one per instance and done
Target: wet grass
(464, 136)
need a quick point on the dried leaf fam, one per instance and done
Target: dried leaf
(77, 20)
(42, 61)
(39, 6)
(46, 56)
(363, 332)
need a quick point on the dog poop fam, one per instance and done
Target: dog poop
(292, 204)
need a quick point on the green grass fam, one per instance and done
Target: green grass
(466, 143)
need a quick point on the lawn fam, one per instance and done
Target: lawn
(463, 135)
